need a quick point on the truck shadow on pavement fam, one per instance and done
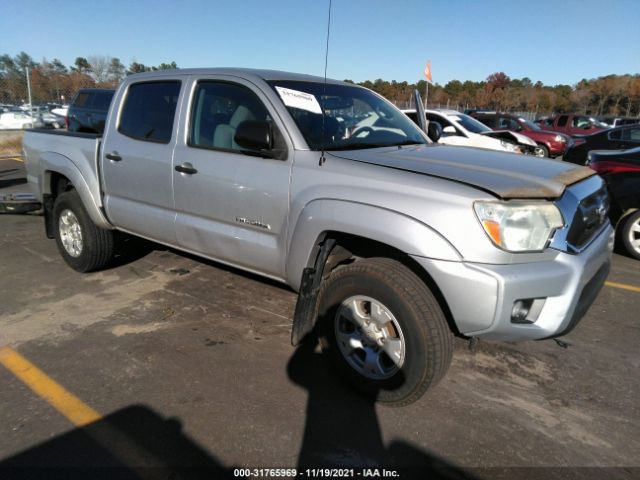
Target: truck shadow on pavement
(342, 428)
(132, 443)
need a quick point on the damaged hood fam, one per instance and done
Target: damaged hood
(506, 175)
(510, 136)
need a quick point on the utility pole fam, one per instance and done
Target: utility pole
(29, 93)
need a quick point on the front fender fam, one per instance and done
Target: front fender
(56, 163)
(369, 221)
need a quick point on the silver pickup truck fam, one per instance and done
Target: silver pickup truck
(394, 244)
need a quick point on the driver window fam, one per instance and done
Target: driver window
(217, 110)
(506, 124)
(444, 123)
(581, 122)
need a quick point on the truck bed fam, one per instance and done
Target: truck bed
(70, 150)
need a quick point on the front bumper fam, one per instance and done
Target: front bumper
(481, 296)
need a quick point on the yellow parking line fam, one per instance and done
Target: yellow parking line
(55, 394)
(623, 286)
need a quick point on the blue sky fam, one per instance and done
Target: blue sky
(552, 41)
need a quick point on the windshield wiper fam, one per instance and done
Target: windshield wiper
(356, 146)
(407, 142)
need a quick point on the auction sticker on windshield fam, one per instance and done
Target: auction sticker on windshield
(298, 99)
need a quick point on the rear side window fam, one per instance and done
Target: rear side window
(631, 135)
(102, 100)
(562, 121)
(148, 111)
(81, 100)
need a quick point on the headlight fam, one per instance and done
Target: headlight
(560, 138)
(519, 226)
(508, 146)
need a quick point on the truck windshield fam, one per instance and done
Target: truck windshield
(529, 124)
(355, 117)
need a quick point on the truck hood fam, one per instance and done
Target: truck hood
(506, 175)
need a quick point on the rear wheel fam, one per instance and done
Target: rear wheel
(630, 234)
(84, 246)
(541, 151)
(384, 330)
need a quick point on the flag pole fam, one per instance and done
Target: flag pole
(426, 96)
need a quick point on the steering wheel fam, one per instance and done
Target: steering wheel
(360, 130)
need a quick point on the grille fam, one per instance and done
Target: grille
(589, 218)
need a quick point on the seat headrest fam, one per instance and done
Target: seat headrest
(241, 114)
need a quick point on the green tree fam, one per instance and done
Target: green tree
(136, 67)
(81, 65)
(116, 71)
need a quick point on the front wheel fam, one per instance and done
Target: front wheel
(83, 245)
(630, 234)
(541, 151)
(384, 330)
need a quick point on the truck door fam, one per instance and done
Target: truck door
(136, 159)
(231, 205)
(561, 125)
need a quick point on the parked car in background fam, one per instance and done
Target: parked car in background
(621, 138)
(462, 130)
(621, 172)
(88, 110)
(18, 120)
(61, 111)
(571, 124)
(52, 120)
(548, 143)
(619, 121)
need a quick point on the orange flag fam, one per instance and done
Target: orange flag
(427, 72)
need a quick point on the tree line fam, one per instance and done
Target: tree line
(617, 95)
(608, 95)
(53, 81)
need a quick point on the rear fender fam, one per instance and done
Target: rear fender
(56, 163)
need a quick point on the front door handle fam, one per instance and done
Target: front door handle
(187, 168)
(113, 156)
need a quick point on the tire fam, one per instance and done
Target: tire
(541, 151)
(414, 328)
(84, 246)
(630, 234)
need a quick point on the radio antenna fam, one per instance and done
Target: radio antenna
(324, 88)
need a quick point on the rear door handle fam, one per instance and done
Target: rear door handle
(187, 168)
(113, 156)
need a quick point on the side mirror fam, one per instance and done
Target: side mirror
(449, 130)
(256, 136)
(435, 130)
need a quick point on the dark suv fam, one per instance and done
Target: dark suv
(88, 111)
(550, 144)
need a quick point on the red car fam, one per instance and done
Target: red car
(571, 124)
(550, 144)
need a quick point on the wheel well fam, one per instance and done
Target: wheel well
(59, 184)
(349, 248)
